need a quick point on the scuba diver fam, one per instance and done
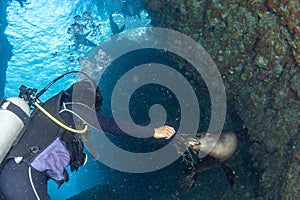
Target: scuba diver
(50, 139)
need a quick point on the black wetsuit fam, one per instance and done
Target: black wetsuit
(15, 178)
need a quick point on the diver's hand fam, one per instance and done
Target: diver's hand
(164, 132)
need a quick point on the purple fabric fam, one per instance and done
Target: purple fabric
(53, 160)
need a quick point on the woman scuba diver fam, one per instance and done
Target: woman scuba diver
(50, 141)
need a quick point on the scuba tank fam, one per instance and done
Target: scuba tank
(14, 114)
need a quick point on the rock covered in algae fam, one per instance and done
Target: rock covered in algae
(256, 46)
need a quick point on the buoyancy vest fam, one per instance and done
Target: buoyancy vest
(42, 131)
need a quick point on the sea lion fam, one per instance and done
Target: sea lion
(223, 148)
(216, 152)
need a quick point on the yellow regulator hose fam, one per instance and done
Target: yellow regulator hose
(60, 123)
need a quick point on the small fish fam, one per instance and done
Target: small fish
(114, 27)
(87, 16)
(82, 40)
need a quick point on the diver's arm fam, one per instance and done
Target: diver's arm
(109, 125)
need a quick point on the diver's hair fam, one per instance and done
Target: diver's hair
(86, 94)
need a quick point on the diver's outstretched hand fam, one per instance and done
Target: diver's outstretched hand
(164, 132)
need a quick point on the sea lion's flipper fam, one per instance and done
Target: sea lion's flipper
(230, 173)
(188, 181)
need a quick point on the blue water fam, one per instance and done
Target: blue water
(43, 49)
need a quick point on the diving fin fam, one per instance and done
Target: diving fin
(230, 173)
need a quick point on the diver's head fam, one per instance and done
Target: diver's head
(86, 92)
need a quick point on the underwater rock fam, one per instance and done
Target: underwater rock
(255, 45)
(295, 83)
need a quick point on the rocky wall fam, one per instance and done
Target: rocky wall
(256, 46)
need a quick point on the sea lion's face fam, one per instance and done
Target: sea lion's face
(194, 144)
(220, 148)
(201, 141)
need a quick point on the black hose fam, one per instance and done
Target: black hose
(63, 75)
